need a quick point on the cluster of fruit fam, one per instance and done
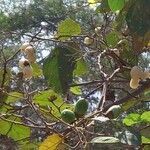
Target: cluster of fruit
(80, 110)
(25, 64)
(137, 74)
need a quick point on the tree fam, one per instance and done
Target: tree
(74, 74)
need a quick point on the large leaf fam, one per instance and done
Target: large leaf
(81, 67)
(138, 17)
(132, 119)
(76, 90)
(13, 97)
(51, 142)
(15, 131)
(52, 100)
(112, 38)
(37, 71)
(58, 69)
(116, 4)
(146, 116)
(68, 28)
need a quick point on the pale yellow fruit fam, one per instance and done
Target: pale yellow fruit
(27, 72)
(30, 52)
(24, 46)
(134, 83)
(88, 41)
(31, 57)
(23, 62)
(97, 30)
(136, 72)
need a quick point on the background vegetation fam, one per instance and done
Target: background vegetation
(84, 49)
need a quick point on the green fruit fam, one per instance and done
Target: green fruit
(68, 116)
(81, 107)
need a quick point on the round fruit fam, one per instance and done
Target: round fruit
(81, 107)
(114, 111)
(88, 41)
(30, 52)
(97, 30)
(134, 83)
(24, 46)
(68, 116)
(136, 72)
(27, 72)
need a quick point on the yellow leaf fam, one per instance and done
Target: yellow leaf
(51, 142)
(92, 1)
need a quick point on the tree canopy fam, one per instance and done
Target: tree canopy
(74, 74)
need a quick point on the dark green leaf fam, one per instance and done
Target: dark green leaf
(138, 17)
(58, 69)
(112, 38)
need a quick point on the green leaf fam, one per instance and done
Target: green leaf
(146, 147)
(76, 90)
(128, 104)
(27, 145)
(105, 139)
(116, 4)
(37, 71)
(68, 28)
(146, 116)
(112, 38)
(52, 100)
(58, 69)
(15, 131)
(131, 119)
(145, 140)
(81, 68)
(13, 97)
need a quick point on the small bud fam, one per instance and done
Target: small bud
(97, 30)
(88, 41)
(30, 52)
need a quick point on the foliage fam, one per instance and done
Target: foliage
(84, 50)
